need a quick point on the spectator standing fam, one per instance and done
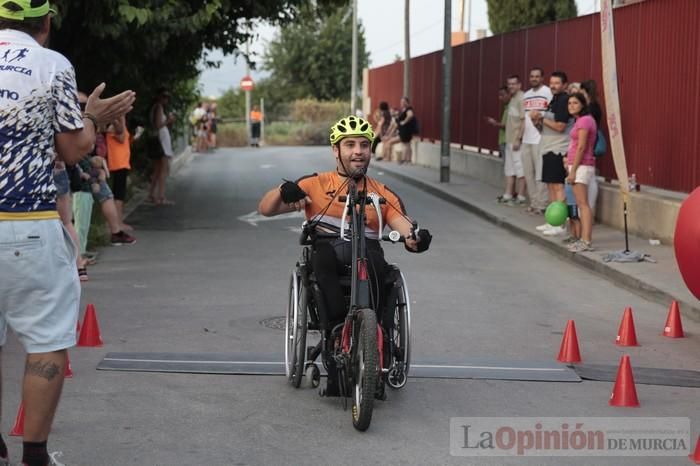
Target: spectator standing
(64, 206)
(256, 117)
(161, 123)
(197, 119)
(39, 287)
(536, 99)
(384, 123)
(554, 144)
(513, 163)
(589, 89)
(406, 126)
(581, 162)
(503, 98)
(119, 163)
(213, 126)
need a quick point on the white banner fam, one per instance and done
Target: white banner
(612, 97)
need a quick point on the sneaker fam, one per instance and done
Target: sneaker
(580, 246)
(122, 238)
(544, 227)
(504, 199)
(520, 201)
(554, 231)
(569, 240)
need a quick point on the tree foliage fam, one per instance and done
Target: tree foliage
(312, 57)
(510, 15)
(145, 44)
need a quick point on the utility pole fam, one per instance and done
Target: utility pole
(353, 78)
(407, 49)
(247, 95)
(446, 96)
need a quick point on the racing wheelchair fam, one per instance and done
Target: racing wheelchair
(368, 354)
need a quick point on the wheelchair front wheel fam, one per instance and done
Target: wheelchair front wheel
(365, 369)
(295, 331)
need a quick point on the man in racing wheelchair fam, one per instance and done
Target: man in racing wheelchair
(321, 195)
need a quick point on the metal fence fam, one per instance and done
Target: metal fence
(657, 44)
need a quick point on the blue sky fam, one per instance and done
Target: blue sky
(383, 23)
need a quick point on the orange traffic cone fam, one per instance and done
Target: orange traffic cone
(673, 327)
(569, 352)
(626, 336)
(696, 456)
(90, 333)
(18, 429)
(624, 393)
(69, 370)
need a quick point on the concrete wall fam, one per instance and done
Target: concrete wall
(651, 215)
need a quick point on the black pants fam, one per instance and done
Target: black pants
(330, 259)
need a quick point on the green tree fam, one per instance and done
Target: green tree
(311, 58)
(145, 44)
(510, 15)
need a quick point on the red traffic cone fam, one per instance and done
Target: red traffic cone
(673, 327)
(18, 429)
(569, 352)
(69, 370)
(90, 333)
(696, 456)
(624, 393)
(626, 336)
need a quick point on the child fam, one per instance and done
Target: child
(98, 173)
(574, 222)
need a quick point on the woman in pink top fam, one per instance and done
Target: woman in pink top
(581, 162)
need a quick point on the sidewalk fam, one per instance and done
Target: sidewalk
(660, 282)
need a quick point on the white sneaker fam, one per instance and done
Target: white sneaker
(543, 227)
(554, 231)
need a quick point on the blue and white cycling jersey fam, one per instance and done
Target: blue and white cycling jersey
(38, 98)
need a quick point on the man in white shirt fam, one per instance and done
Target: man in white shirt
(537, 98)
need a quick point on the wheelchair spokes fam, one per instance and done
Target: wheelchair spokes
(295, 331)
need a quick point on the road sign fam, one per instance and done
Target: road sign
(247, 83)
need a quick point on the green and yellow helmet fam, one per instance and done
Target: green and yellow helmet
(19, 10)
(351, 126)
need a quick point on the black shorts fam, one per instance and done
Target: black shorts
(553, 170)
(119, 178)
(573, 212)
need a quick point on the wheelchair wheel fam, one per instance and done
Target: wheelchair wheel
(401, 360)
(365, 369)
(295, 331)
(312, 376)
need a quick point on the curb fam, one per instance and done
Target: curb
(643, 289)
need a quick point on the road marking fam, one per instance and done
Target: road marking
(254, 217)
(266, 165)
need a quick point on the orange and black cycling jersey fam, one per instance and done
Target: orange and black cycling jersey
(322, 187)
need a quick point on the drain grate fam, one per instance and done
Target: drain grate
(275, 323)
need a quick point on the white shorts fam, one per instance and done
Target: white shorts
(513, 165)
(584, 174)
(39, 286)
(165, 142)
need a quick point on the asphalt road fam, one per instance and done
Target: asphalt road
(201, 279)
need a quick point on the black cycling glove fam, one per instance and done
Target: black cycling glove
(291, 192)
(424, 238)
